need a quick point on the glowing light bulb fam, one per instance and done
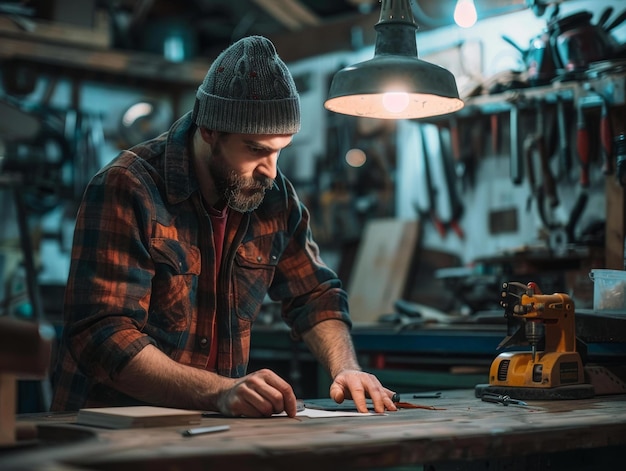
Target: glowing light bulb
(465, 13)
(395, 102)
(138, 110)
(356, 158)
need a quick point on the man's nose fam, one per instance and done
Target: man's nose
(269, 166)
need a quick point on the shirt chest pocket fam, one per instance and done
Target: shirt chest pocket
(177, 267)
(255, 264)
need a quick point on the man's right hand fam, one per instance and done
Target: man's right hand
(258, 394)
(153, 377)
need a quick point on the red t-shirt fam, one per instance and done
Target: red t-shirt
(218, 221)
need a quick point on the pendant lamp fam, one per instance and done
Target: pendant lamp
(395, 84)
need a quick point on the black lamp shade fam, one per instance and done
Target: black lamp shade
(395, 84)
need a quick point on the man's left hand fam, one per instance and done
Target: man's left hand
(358, 385)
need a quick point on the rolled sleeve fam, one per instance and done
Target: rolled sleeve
(311, 292)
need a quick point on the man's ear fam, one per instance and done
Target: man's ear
(208, 135)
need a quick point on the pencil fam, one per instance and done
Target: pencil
(191, 432)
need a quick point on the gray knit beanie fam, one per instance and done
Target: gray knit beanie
(249, 90)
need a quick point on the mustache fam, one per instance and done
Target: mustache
(255, 183)
(245, 194)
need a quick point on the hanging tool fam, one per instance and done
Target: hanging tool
(606, 137)
(575, 213)
(445, 161)
(584, 152)
(620, 158)
(530, 170)
(565, 151)
(548, 182)
(428, 188)
(543, 191)
(495, 132)
(455, 144)
(595, 98)
(460, 161)
(583, 147)
(553, 368)
(582, 144)
(548, 199)
(516, 161)
(444, 207)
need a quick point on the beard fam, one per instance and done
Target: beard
(243, 194)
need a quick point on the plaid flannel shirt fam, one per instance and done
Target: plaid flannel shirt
(143, 272)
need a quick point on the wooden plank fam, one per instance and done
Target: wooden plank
(327, 38)
(99, 36)
(381, 266)
(290, 13)
(104, 64)
(8, 401)
(137, 416)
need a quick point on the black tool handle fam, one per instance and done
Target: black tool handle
(496, 398)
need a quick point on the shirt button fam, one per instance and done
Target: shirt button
(204, 342)
(258, 259)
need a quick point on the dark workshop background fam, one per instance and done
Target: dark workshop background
(82, 80)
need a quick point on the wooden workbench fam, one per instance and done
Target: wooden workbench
(462, 433)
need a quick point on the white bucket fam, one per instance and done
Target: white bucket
(609, 291)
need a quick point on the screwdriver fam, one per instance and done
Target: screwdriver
(502, 399)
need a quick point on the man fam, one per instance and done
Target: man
(177, 242)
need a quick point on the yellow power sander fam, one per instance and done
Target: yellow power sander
(552, 369)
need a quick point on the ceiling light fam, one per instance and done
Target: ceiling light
(465, 13)
(356, 157)
(395, 84)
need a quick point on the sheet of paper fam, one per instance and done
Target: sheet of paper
(318, 413)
